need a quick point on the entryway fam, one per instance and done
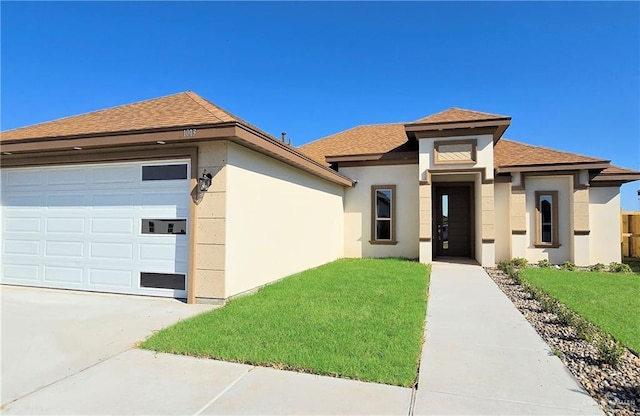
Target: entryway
(453, 220)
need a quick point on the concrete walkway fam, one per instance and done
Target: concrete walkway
(482, 357)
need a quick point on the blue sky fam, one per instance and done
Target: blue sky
(568, 73)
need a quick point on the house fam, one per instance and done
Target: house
(177, 197)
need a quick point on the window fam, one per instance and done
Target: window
(162, 281)
(156, 226)
(383, 214)
(164, 172)
(547, 219)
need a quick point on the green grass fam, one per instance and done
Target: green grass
(609, 300)
(360, 319)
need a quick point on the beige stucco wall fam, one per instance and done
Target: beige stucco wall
(210, 223)
(604, 217)
(279, 220)
(357, 211)
(484, 154)
(564, 186)
(484, 253)
(502, 193)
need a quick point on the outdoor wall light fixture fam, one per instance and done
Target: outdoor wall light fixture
(204, 182)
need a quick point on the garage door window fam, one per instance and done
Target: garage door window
(162, 226)
(162, 281)
(164, 172)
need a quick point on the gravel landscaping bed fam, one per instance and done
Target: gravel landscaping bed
(617, 390)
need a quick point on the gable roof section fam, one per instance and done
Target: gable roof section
(177, 110)
(617, 174)
(509, 155)
(459, 122)
(457, 115)
(152, 122)
(374, 139)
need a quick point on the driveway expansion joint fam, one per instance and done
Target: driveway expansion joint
(66, 377)
(223, 392)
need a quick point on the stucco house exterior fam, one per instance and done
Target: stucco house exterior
(177, 197)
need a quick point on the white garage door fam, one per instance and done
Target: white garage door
(117, 227)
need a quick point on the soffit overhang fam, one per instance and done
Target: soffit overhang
(15, 152)
(495, 127)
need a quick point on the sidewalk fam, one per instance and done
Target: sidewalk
(138, 382)
(482, 357)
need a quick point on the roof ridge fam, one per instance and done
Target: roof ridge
(435, 114)
(233, 117)
(96, 111)
(475, 111)
(190, 94)
(487, 116)
(193, 97)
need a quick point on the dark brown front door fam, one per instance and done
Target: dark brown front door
(452, 210)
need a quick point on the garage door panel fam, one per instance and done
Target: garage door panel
(75, 201)
(68, 224)
(163, 200)
(118, 201)
(113, 251)
(64, 248)
(83, 229)
(22, 224)
(58, 274)
(22, 272)
(162, 252)
(21, 201)
(15, 179)
(67, 177)
(121, 226)
(111, 277)
(21, 247)
(114, 174)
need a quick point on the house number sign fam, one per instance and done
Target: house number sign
(188, 132)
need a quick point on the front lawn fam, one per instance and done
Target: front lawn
(609, 300)
(354, 318)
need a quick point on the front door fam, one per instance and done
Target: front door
(453, 221)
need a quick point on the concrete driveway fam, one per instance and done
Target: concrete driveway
(74, 353)
(48, 335)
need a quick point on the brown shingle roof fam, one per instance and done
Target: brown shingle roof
(455, 114)
(182, 109)
(384, 138)
(368, 139)
(617, 170)
(511, 153)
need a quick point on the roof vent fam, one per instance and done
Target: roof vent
(284, 136)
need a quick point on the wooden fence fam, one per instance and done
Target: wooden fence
(631, 234)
